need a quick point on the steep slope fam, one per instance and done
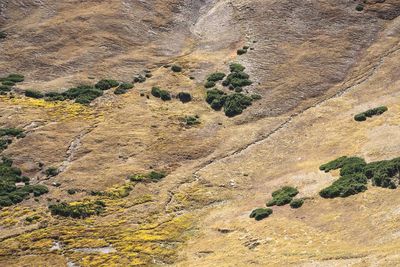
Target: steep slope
(315, 64)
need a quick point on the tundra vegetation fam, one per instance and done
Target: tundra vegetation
(355, 174)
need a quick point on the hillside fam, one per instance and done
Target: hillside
(133, 180)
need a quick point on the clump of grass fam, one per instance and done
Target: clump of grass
(176, 68)
(370, 113)
(282, 196)
(78, 209)
(153, 176)
(184, 97)
(261, 213)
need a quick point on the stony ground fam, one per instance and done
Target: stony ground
(315, 63)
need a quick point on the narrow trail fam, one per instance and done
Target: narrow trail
(355, 82)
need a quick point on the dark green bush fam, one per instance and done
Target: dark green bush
(83, 94)
(5, 88)
(255, 97)
(216, 98)
(152, 176)
(3, 35)
(148, 75)
(78, 210)
(156, 91)
(165, 95)
(217, 76)
(71, 191)
(236, 67)
(191, 120)
(106, 84)
(126, 86)
(346, 186)
(360, 7)
(261, 213)
(209, 84)
(282, 196)
(353, 165)
(15, 132)
(235, 104)
(370, 113)
(176, 68)
(139, 79)
(241, 51)
(120, 91)
(8, 83)
(184, 97)
(39, 190)
(296, 203)
(16, 78)
(54, 96)
(33, 94)
(52, 171)
(156, 176)
(334, 164)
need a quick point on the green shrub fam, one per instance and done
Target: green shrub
(83, 94)
(370, 113)
(255, 97)
(71, 191)
(165, 95)
(261, 213)
(33, 94)
(120, 91)
(156, 176)
(5, 88)
(39, 190)
(236, 67)
(8, 83)
(209, 84)
(156, 91)
(282, 196)
(216, 98)
(152, 176)
(176, 68)
(126, 86)
(54, 96)
(296, 203)
(33, 218)
(235, 104)
(139, 79)
(78, 210)
(15, 132)
(52, 171)
(3, 35)
(191, 120)
(217, 76)
(334, 164)
(360, 7)
(16, 78)
(184, 97)
(353, 165)
(345, 186)
(106, 84)
(241, 51)
(148, 75)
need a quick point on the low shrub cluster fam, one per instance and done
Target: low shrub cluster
(34, 94)
(191, 120)
(242, 50)
(78, 210)
(370, 113)
(51, 172)
(184, 97)
(163, 94)
(235, 104)
(7, 135)
(152, 176)
(360, 7)
(106, 84)
(10, 192)
(3, 35)
(355, 173)
(216, 76)
(260, 213)
(123, 88)
(216, 98)
(296, 203)
(282, 196)
(139, 79)
(176, 68)
(9, 81)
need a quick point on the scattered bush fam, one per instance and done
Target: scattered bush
(10, 194)
(241, 51)
(165, 95)
(126, 86)
(216, 98)
(5, 88)
(52, 171)
(149, 75)
(16, 78)
(15, 132)
(54, 96)
(209, 84)
(3, 35)
(33, 218)
(184, 97)
(156, 91)
(176, 68)
(217, 76)
(255, 97)
(120, 91)
(282, 196)
(355, 173)
(150, 177)
(296, 203)
(106, 84)
(236, 67)
(235, 104)
(8, 83)
(370, 113)
(78, 209)
(191, 120)
(33, 94)
(360, 7)
(261, 213)
(83, 94)
(139, 79)
(71, 191)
